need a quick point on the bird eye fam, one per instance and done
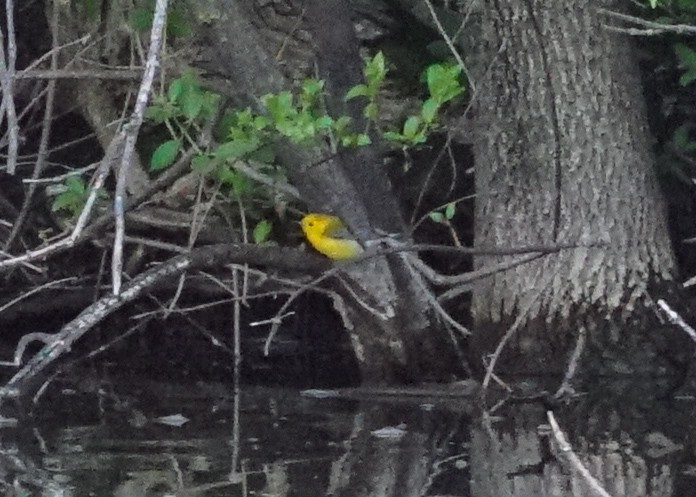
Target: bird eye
(311, 223)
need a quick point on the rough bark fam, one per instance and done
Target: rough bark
(564, 155)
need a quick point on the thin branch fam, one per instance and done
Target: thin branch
(35, 290)
(7, 73)
(437, 307)
(522, 312)
(570, 457)
(42, 157)
(214, 255)
(276, 320)
(79, 236)
(647, 28)
(676, 319)
(106, 74)
(130, 133)
(264, 179)
(566, 386)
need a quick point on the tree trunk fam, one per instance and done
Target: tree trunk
(564, 155)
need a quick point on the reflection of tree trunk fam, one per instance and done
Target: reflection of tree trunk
(511, 459)
(563, 155)
(401, 466)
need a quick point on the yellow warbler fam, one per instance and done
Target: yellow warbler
(324, 233)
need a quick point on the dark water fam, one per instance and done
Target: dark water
(266, 442)
(152, 439)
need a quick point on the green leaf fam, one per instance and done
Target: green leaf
(411, 127)
(73, 198)
(438, 217)
(210, 104)
(323, 122)
(370, 111)
(280, 106)
(450, 210)
(75, 184)
(164, 155)
(244, 118)
(235, 149)
(681, 141)
(429, 110)
(176, 89)
(686, 56)
(363, 140)
(443, 82)
(160, 112)
(192, 104)
(394, 136)
(239, 182)
(681, 137)
(688, 77)
(312, 87)
(357, 91)
(376, 70)
(262, 230)
(261, 123)
(202, 163)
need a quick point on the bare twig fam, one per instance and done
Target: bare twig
(466, 278)
(35, 290)
(566, 387)
(99, 224)
(131, 134)
(523, 310)
(40, 60)
(7, 73)
(45, 338)
(312, 285)
(42, 157)
(571, 458)
(107, 74)
(97, 183)
(264, 179)
(676, 319)
(236, 323)
(198, 258)
(437, 307)
(646, 27)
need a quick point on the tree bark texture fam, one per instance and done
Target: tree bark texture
(564, 155)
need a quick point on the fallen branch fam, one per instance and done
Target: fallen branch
(210, 256)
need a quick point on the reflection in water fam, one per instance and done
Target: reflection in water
(289, 445)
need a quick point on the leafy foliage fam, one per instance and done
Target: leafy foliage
(73, 196)
(687, 59)
(299, 117)
(444, 85)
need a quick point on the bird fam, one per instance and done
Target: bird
(328, 235)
